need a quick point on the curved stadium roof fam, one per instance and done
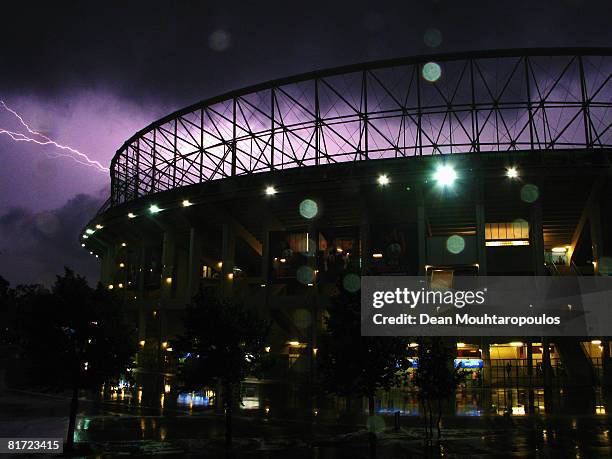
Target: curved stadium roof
(536, 99)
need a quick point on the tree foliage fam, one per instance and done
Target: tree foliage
(223, 344)
(71, 337)
(436, 377)
(352, 364)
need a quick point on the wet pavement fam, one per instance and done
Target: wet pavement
(169, 425)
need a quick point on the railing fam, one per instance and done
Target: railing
(541, 99)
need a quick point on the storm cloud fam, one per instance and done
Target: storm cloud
(35, 246)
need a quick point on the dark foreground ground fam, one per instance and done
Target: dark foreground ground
(116, 427)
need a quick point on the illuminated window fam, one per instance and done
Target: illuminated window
(206, 272)
(507, 234)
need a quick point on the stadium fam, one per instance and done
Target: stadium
(484, 163)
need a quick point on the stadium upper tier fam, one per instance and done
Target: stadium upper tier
(534, 99)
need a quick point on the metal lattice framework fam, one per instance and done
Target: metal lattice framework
(539, 99)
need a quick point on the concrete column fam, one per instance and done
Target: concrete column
(168, 265)
(536, 236)
(108, 265)
(596, 235)
(480, 238)
(364, 241)
(547, 373)
(142, 313)
(194, 263)
(228, 255)
(422, 232)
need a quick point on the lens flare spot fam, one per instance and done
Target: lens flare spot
(219, 40)
(305, 275)
(605, 266)
(301, 318)
(351, 282)
(455, 244)
(431, 72)
(375, 424)
(309, 208)
(432, 37)
(530, 193)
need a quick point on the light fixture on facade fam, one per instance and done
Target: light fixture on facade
(164, 345)
(270, 190)
(512, 172)
(267, 348)
(82, 245)
(122, 265)
(131, 215)
(111, 286)
(154, 209)
(294, 343)
(559, 250)
(460, 344)
(120, 285)
(445, 175)
(596, 342)
(516, 344)
(85, 236)
(506, 243)
(383, 180)
(377, 255)
(230, 276)
(89, 231)
(168, 280)
(123, 244)
(142, 343)
(186, 203)
(98, 226)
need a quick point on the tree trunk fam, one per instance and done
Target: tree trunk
(229, 405)
(431, 422)
(74, 405)
(371, 433)
(439, 417)
(425, 417)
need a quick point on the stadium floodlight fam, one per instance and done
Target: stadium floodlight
(383, 180)
(131, 215)
(270, 190)
(154, 209)
(512, 172)
(445, 175)
(186, 203)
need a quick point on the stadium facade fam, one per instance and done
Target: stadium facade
(485, 163)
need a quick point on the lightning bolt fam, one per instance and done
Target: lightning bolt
(41, 139)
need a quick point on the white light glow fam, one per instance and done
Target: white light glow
(186, 203)
(383, 180)
(445, 175)
(131, 215)
(270, 190)
(512, 172)
(154, 209)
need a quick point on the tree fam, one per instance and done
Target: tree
(436, 378)
(223, 343)
(73, 337)
(352, 364)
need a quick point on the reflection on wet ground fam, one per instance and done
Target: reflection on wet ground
(278, 421)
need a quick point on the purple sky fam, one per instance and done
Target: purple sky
(90, 75)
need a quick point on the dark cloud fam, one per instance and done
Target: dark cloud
(34, 247)
(183, 51)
